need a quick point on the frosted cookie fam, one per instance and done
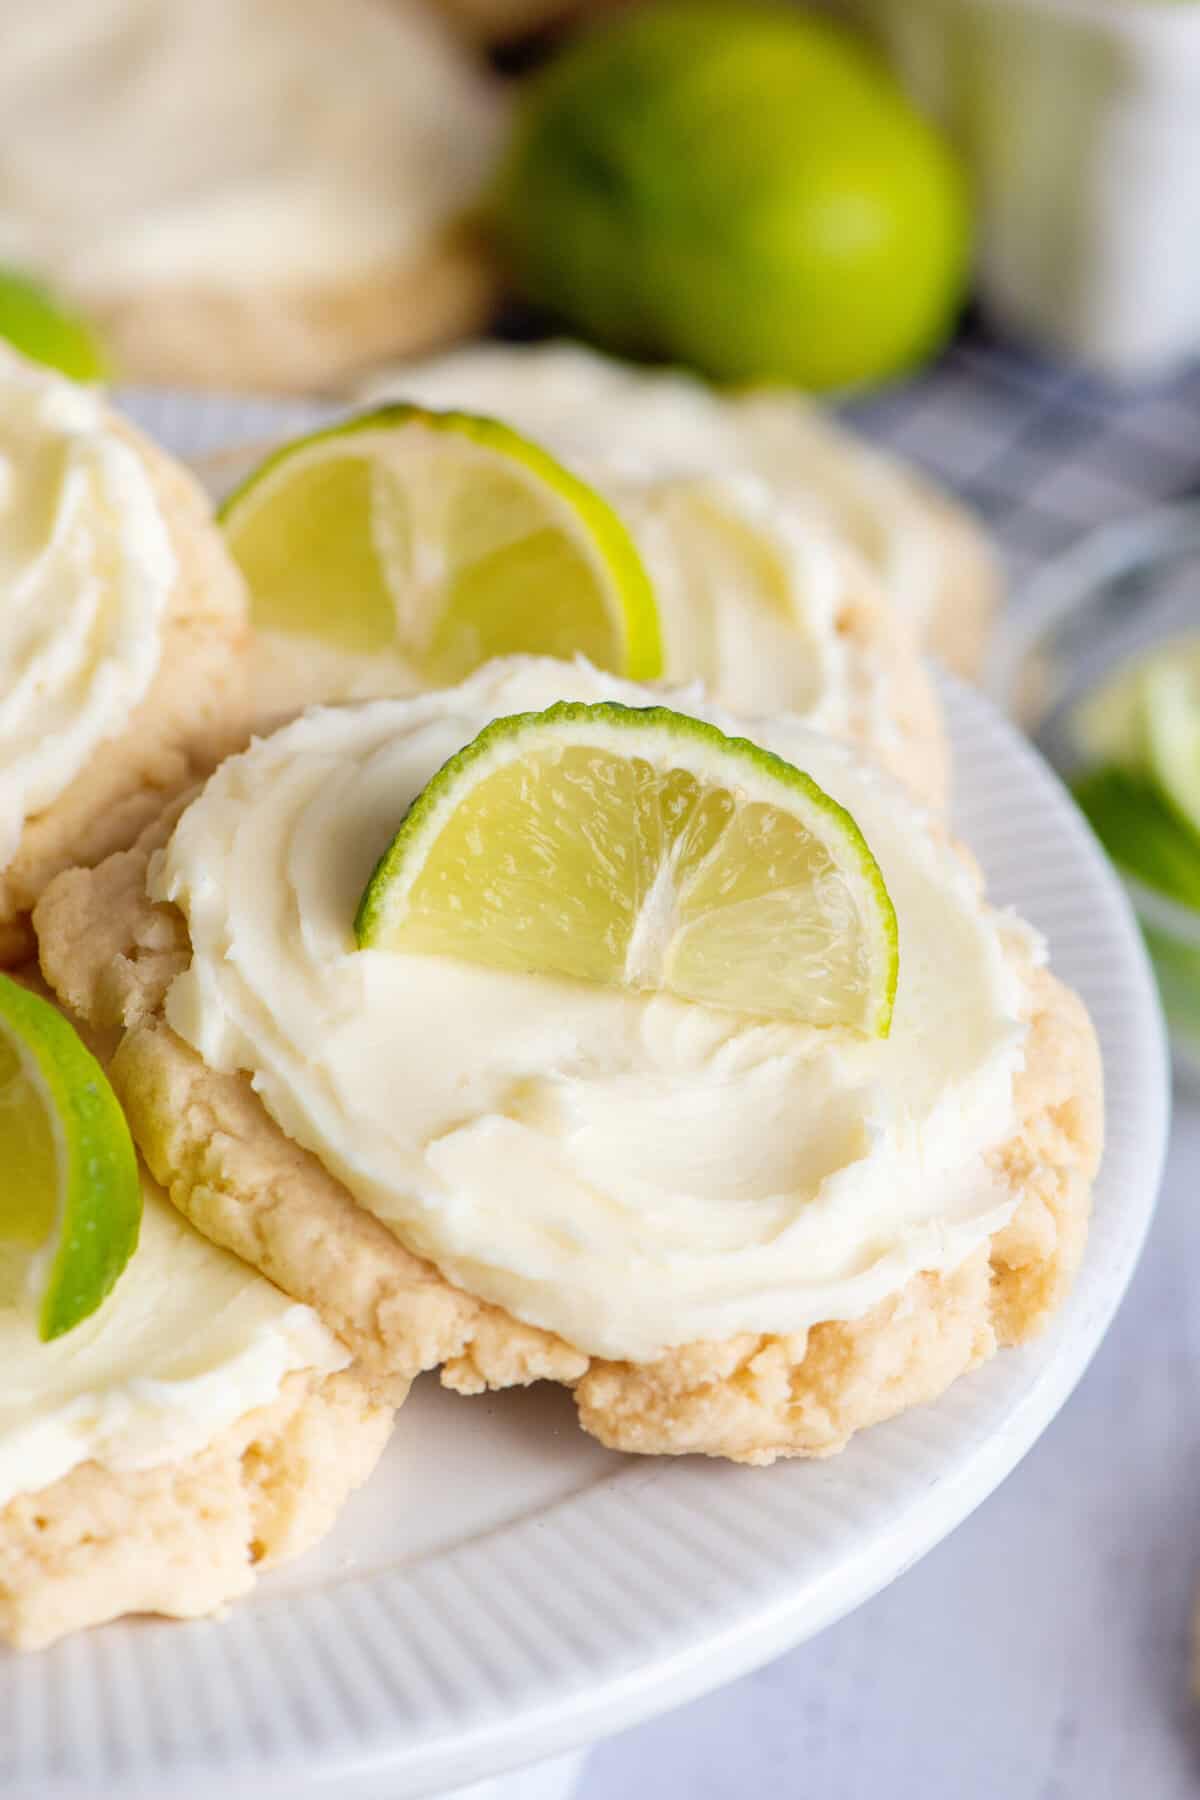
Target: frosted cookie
(932, 558)
(122, 636)
(196, 1426)
(268, 196)
(440, 539)
(737, 1235)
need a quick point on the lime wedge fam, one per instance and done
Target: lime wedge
(644, 849)
(446, 538)
(37, 325)
(1171, 720)
(70, 1198)
(1108, 725)
(1141, 832)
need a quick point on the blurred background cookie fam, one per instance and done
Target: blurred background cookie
(645, 425)
(263, 195)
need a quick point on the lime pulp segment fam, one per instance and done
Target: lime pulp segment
(645, 849)
(70, 1197)
(446, 538)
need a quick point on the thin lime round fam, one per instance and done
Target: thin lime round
(740, 187)
(445, 537)
(70, 1198)
(645, 849)
(37, 324)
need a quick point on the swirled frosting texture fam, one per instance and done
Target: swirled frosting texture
(86, 570)
(624, 1169)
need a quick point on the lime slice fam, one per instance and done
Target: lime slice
(643, 849)
(37, 325)
(446, 538)
(1171, 721)
(70, 1198)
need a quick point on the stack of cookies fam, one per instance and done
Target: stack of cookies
(500, 869)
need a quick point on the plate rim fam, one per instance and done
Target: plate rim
(443, 1748)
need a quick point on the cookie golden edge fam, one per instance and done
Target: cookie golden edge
(195, 713)
(917, 751)
(110, 954)
(185, 1538)
(302, 339)
(970, 588)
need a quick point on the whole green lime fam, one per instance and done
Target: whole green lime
(37, 325)
(741, 187)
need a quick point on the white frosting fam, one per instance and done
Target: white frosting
(625, 1169)
(664, 423)
(751, 565)
(226, 143)
(86, 570)
(188, 1342)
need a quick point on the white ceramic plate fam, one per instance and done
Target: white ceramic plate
(505, 1589)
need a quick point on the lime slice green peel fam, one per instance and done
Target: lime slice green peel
(71, 1201)
(34, 322)
(666, 855)
(323, 573)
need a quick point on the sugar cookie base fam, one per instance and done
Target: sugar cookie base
(186, 1538)
(110, 954)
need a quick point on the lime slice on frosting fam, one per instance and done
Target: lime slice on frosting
(444, 537)
(70, 1198)
(1141, 734)
(1140, 831)
(641, 848)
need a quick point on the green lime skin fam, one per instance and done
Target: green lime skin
(99, 1200)
(741, 188)
(37, 325)
(1140, 831)
(690, 745)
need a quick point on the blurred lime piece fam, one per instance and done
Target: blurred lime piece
(1177, 966)
(740, 187)
(70, 1197)
(1171, 716)
(445, 537)
(37, 325)
(1141, 832)
(1146, 720)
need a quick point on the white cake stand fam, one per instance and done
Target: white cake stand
(505, 1592)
